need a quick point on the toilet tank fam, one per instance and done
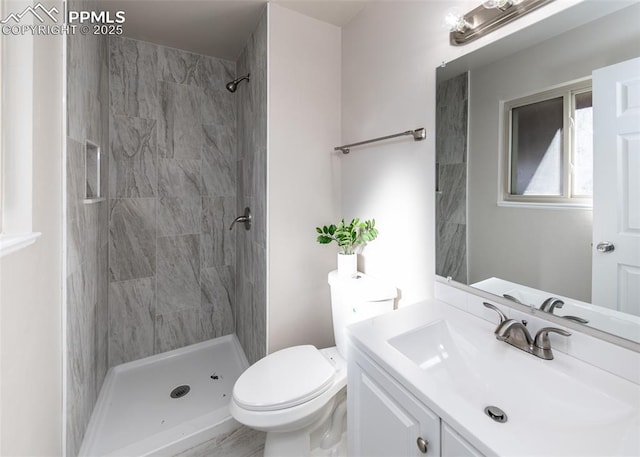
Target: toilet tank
(355, 299)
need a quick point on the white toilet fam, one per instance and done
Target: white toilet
(298, 395)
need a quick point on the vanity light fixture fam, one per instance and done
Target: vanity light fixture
(487, 17)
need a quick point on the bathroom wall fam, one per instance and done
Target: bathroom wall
(251, 165)
(452, 101)
(87, 232)
(389, 54)
(31, 279)
(172, 197)
(304, 175)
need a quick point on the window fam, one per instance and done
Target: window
(549, 147)
(16, 140)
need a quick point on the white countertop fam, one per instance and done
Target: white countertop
(561, 407)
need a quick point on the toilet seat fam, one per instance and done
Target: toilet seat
(284, 379)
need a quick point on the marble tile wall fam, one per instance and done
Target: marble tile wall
(251, 246)
(451, 156)
(87, 231)
(172, 197)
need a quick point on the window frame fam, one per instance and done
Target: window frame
(567, 92)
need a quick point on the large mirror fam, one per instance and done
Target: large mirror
(538, 165)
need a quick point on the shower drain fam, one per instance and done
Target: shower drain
(180, 391)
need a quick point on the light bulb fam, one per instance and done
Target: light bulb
(454, 21)
(500, 4)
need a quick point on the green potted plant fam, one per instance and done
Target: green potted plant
(349, 238)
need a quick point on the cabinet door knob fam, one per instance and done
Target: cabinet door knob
(422, 444)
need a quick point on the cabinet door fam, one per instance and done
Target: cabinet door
(385, 420)
(453, 445)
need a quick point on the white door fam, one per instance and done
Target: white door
(616, 187)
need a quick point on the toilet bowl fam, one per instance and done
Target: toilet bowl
(298, 394)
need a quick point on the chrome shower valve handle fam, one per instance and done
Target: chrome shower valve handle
(245, 219)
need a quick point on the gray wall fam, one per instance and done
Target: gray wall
(251, 246)
(87, 232)
(547, 249)
(172, 196)
(452, 101)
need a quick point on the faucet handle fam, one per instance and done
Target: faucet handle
(503, 317)
(541, 340)
(550, 304)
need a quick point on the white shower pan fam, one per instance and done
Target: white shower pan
(136, 415)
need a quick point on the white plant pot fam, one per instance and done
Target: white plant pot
(347, 265)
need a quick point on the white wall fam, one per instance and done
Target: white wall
(390, 52)
(389, 55)
(30, 285)
(303, 176)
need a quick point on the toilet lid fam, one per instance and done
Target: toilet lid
(284, 379)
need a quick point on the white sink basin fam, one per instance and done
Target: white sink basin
(484, 371)
(452, 362)
(449, 358)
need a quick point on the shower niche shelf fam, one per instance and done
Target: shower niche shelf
(92, 173)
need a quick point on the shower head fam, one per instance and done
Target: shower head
(233, 85)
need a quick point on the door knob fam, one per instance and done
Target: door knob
(422, 444)
(245, 219)
(605, 246)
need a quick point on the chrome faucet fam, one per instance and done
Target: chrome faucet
(513, 332)
(551, 303)
(516, 334)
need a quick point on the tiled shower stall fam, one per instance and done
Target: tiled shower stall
(172, 192)
(151, 264)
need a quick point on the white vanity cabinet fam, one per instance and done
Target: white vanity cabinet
(387, 421)
(453, 445)
(384, 419)
(429, 371)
